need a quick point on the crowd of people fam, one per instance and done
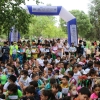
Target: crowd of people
(49, 70)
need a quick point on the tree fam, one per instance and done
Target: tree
(94, 14)
(45, 26)
(63, 25)
(83, 22)
(12, 14)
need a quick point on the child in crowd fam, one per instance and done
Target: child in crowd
(72, 80)
(57, 90)
(96, 90)
(50, 74)
(64, 85)
(76, 73)
(35, 77)
(29, 94)
(47, 95)
(62, 69)
(35, 85)
(24, 79)
(83, 94)
(12, 79)
(13, 93)
(64, 81)
(73, 92)
(48, 86)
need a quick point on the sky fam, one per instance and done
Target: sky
(67, 4)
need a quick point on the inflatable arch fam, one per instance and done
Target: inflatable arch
(63, 13)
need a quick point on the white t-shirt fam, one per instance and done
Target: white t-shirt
(46, 69)
(41, 61)
(25, 82)
(66, 72)
(57, 61)
(14, 51)
(76, 75)
(66, 48)
(49, 60)
(7, 84)
(42, 50)
(72, 49)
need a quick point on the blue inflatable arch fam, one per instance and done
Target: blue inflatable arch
(63, 13)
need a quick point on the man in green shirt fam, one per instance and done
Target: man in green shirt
(13, 50)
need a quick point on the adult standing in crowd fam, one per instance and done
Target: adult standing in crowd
(5, 52)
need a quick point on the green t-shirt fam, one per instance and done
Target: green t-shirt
(15, 96)
(13, 48)
(28, 53)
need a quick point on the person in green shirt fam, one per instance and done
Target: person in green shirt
(13, 50)
(28, 53)
(11, 47)
(13, 93)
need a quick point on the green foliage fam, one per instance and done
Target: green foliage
(63, 25)
(45, 26)
(83, 23)
(3, 36)
(11, 14)
(94, 14)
